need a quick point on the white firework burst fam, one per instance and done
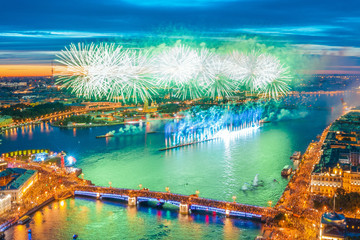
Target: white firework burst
(136, 81)
(217, 79)
(200, 79)
(89, 69)
(176, 66)
(105, 71)
(237, 69)
(259, 73)
(275, 89)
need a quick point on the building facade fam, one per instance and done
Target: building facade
(326, 183)
(17, 182)
(5, 203)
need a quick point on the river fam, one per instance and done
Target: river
(217, 169)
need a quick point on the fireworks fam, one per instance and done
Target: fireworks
(107, 71)
(90, 69)
(135, 81)
(261, 73)
(215, 122)
(217, 82)
(176, 66)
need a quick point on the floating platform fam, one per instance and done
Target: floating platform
(205, 140)
(186, 144)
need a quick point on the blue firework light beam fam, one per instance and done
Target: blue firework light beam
(216, 122)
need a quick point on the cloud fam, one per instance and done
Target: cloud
(58, 34)
(176, 3)
(320, 30)
(329, 27)
(329, 50)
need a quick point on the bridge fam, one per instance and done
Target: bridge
(184, 202)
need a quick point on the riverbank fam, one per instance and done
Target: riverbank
(87, 125)
(217, 169)
(3, 129)
(49, 186)
(297, 219)
(13, 221)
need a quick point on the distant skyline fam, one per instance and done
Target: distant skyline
(32, 32)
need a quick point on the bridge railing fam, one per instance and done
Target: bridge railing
(191, 200)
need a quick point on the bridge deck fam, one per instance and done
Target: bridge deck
(184, 199)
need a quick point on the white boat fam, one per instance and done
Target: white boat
(286, 171)
(296, 156)
(24, 219)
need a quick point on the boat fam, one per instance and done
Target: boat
(24, 219)
(151, 132)
(109, 134)
(296, 156)
(286, 171)
(263, 121)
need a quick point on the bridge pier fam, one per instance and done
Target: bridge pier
(132, 201)
(227, 213)
(184, 208)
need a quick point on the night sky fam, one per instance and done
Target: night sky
(31, 32)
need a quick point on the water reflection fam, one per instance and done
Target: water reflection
(92, 219)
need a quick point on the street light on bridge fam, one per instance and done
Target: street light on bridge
(269, 202)
(140, 186)
(234, 198)
(110, 184)
(167, 189)
(197, 192)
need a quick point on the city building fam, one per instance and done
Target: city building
(326, 183)
(16, 182)
(5, 203)
(336, 226)
(339, 166)
(332, 226)
(3, 165)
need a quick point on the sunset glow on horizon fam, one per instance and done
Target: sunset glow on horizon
(25, 70)
(32, 70)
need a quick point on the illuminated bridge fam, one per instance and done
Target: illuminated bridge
(185, 203)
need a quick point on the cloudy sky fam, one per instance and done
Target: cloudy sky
(31, 32)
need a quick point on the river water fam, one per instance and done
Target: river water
(217, 169)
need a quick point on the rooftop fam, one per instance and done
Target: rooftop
(342, 140)
(20, 175)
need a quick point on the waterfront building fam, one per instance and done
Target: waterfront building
(17, 181)
(3, 165)
(150, 109)
(326, 183)
(339, 166)
(5, 203)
